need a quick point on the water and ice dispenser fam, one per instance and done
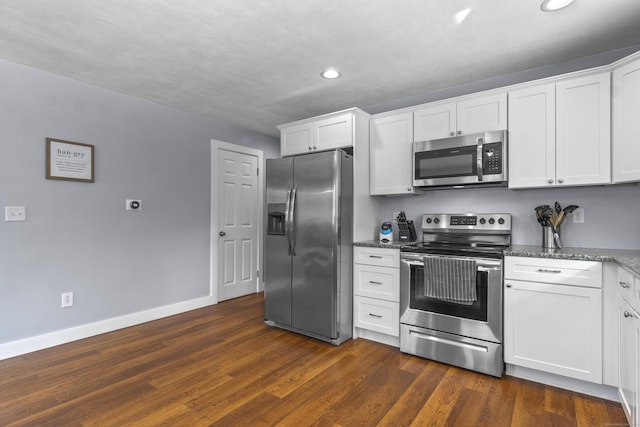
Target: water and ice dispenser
(275, 218)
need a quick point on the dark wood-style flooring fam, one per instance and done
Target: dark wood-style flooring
(222, 366)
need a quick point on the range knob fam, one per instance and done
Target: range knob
(492, 221)
(500, 221)
(436, 221)
(428, 220)
(483, 221)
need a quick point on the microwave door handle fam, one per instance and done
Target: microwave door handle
(480, 142)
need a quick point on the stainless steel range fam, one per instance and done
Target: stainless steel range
(451, 291)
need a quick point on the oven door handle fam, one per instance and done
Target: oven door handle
(478, 267)
(450, 342)
(482, 268)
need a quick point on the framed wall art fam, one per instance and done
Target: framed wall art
(70, 161)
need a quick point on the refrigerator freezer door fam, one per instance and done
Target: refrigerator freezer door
(316, 226)
(277, 261)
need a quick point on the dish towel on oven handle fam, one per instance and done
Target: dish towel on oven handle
(450, 279)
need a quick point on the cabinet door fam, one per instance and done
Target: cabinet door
(532, 137)
(391, 151)
(629, 353)
(435, 122)
(333, 132)
(481, 114)
(626, 130)
(554, 328)
(583, 130)
(296, 139)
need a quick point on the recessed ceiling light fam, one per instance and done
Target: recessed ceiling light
(553, 5)
(462, 15)
(330, 73)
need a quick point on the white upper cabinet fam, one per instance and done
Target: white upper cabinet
(470, 115)
(626, 126)
(391, 140)
(559, 133)
(327, 132)
(532, 136)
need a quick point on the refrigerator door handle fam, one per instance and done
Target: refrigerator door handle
(293, 220)
(287, 221)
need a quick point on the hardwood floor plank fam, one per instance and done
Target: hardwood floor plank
(415, 396)
(438, 407)
(561, 403)
(221, 365)
(529, 405)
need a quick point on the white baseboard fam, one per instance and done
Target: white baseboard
(598, 390)
(39, 342)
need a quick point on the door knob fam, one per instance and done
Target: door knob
(222, 233)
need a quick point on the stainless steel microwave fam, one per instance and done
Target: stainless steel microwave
(466, 160)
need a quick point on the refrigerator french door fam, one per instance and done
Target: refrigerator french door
(308, 245)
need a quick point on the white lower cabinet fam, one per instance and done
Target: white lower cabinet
(377, 315)
(376, 286)
(553, 316)
(629, 361)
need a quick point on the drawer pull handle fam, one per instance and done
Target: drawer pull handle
(375, 256)
(546, 270)
(379, 316)
(625, 285)
(375, 283)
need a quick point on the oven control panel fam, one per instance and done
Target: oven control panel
(498, 222)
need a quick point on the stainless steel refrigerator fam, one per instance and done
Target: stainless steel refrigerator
(308, 245)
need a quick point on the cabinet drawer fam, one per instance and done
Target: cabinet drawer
(559, 271)
(377, 315)
(377, 282)
(381, 257)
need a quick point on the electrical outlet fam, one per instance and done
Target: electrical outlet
(395, 216)
(67, 299)
(578, 216)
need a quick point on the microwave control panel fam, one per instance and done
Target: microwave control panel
(492, 158)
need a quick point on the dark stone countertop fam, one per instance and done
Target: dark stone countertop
(376, 244)
(629, 259)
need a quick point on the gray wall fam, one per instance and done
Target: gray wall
(611, 213)
(78, 236)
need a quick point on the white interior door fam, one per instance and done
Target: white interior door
(238, 224)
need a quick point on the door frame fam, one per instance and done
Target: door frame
(217, 145)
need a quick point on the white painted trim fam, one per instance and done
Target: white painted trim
(213, 251)
(592, 389)
(39, 342)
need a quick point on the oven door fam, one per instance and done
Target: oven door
(481, 320)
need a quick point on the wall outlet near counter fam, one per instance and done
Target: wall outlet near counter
(578, 216)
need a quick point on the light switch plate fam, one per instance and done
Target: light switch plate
(15, 213)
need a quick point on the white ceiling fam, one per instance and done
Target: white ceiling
(257, 63)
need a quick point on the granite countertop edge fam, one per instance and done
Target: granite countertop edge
(627, 258)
